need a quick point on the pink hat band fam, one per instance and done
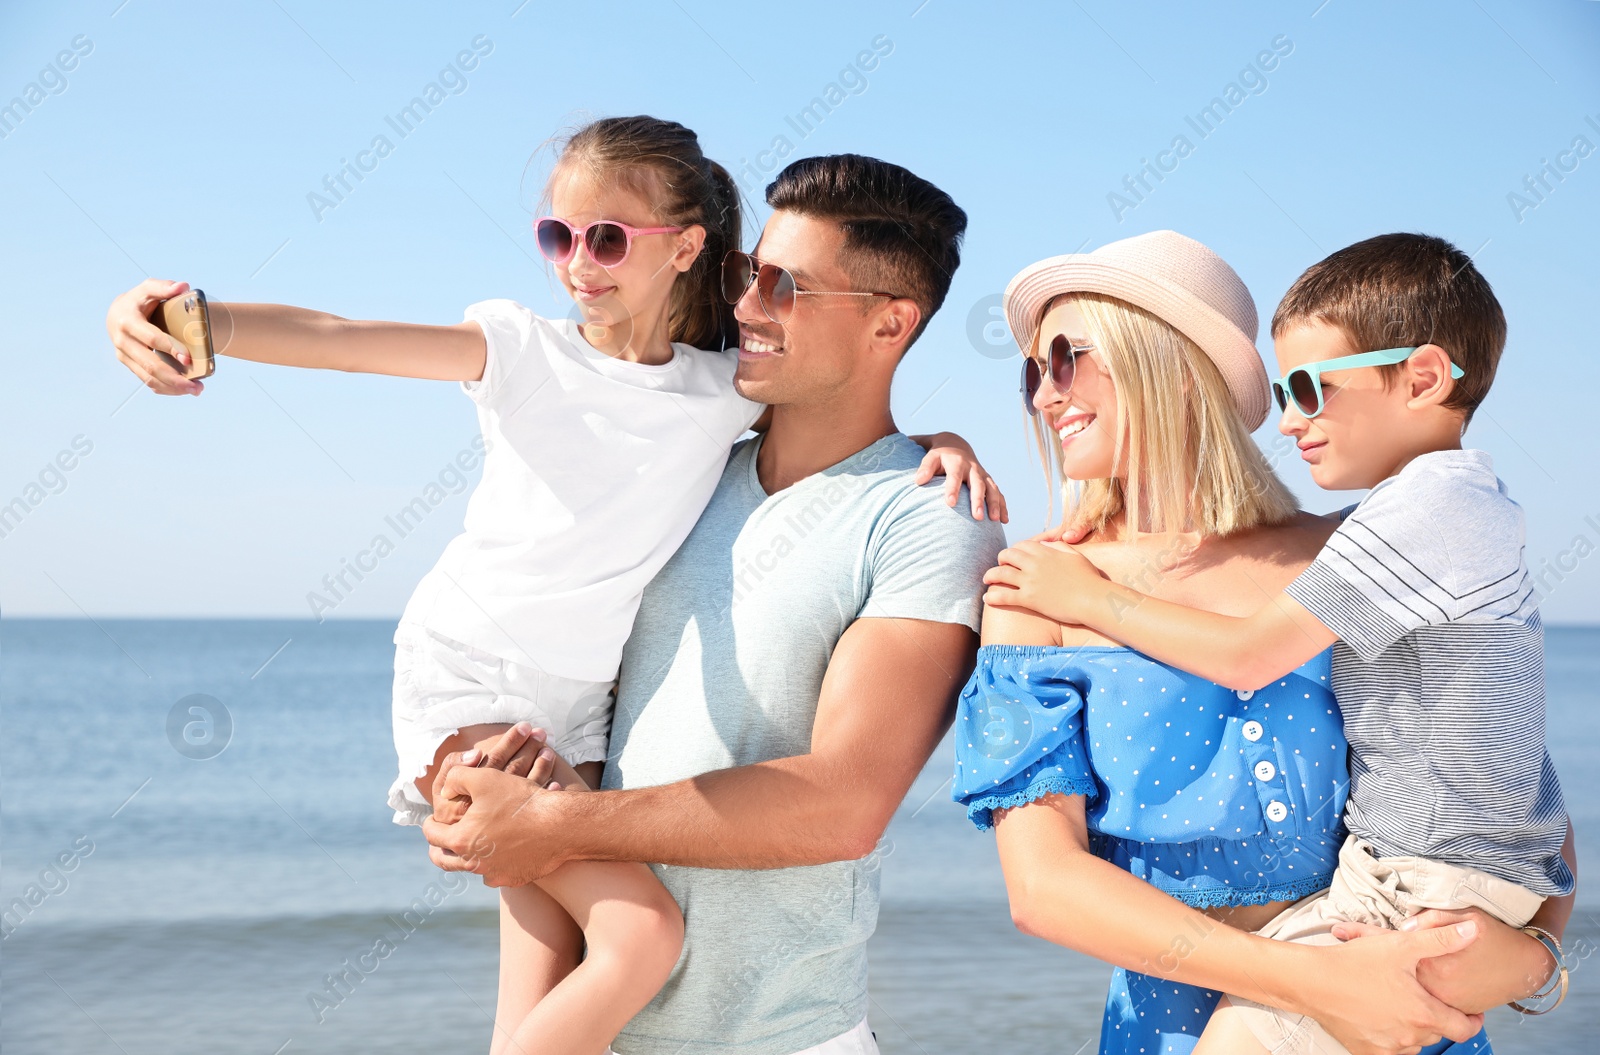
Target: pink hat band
(1178, 280)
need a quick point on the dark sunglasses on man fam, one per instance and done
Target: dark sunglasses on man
(775, 288)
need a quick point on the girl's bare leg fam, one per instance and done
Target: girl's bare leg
(633, 932)
(539, 946)
(539, 942)
(629, 924)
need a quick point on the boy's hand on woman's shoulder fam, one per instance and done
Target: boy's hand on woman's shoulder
(1048, 578)
(1071, 534)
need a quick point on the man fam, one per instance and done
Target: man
(795, 663)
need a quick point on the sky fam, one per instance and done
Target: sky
(192, 142)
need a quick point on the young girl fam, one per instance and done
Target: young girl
(605, 440)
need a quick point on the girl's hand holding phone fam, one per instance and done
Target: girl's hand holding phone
(157, 358)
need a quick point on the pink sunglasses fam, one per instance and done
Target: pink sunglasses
(607, 241)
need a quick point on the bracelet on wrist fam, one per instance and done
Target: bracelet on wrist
(1556, 984)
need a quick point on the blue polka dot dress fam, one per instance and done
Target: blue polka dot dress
(1213, 796)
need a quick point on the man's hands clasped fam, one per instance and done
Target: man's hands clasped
(483, 789)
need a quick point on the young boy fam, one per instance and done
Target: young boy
(1387, 348)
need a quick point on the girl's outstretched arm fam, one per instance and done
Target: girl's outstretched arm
(288, 336)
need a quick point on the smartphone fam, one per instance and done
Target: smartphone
(186, 318)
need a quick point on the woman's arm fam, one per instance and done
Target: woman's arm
(1365, 993)
(1501, 966)
(275, 333)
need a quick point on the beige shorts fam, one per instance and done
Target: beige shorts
(442, 686)
(1381, 892)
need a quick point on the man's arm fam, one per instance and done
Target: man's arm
(1241, 652)
(887, 698)
(1368, 997)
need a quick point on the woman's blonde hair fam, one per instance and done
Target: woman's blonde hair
(1191, 464)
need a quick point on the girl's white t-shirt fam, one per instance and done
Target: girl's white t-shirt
(595, 471)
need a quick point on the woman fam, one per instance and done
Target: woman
(1142, 815)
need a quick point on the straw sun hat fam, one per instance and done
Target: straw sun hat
(1174, 278)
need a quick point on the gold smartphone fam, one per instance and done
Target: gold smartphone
(186, 318)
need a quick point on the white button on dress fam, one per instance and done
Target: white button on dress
(1276, 811)
(1245, 694)
(1252, 731)
(1265, 770)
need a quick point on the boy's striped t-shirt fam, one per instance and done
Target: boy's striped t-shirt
(1439, 671)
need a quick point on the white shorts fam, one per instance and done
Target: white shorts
(859, 1041)
(441, 686)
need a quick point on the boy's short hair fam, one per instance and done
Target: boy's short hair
(1404, 290)
(902, 234)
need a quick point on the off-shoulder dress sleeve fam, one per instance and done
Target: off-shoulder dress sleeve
(1019, 732)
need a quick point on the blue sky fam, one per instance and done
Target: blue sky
(184, 141)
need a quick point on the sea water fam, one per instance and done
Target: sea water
(197, 858)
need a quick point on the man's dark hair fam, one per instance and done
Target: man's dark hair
(1401, 291)
(902, 235)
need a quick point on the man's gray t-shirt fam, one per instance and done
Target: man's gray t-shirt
(724, 668)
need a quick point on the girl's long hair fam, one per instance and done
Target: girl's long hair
(662, 162)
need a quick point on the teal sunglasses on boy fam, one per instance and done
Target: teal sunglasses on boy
(1304, 383)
